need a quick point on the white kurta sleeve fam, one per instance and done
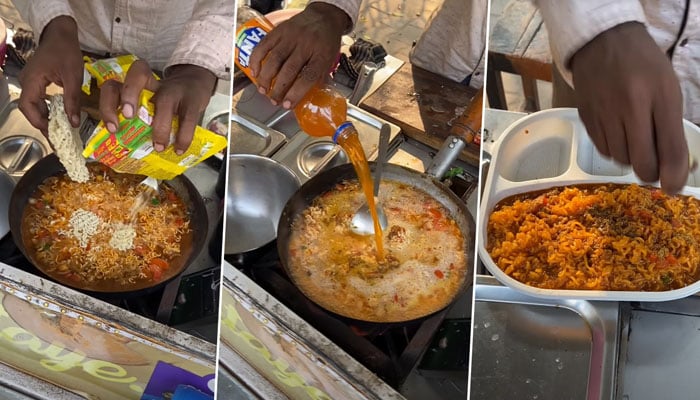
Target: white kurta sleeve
(207, 39)
(38, 14)
(573, 23)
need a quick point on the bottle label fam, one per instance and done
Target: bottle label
(245, 43)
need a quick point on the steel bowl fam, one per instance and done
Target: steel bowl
(258, 189)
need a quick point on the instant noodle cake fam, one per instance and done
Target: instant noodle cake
(130, 149)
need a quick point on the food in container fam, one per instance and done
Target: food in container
(551, 149)
(598, 237)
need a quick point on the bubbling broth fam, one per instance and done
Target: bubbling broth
(423, 267)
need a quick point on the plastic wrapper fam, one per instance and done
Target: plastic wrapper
(130, 149)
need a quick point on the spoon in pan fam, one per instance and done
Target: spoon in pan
(149, 187)
(362, 222)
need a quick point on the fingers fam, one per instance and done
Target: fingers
(165, 109)
(274, 60)
(138, 78)
(71, 80)
(188, 118)
(287, 77)
(594, 129)
(109, 103)
(32, 103)
(309, 76)
(639, 126)
(269, 42)
(671, 146)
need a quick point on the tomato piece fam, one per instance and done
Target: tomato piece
(172, 197)
(435, 213)
(156, 272)
(140, 250)
(160, 263)
(439, 274)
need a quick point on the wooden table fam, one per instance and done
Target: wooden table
(423, 105)
(518, 44)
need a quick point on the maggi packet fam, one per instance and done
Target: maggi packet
(130, 149)
(110, 68)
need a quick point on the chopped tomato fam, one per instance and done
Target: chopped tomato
(172, 197)
(160, 263)
(435, 213)
(139, 250)
(656, 194)
(156, 272)
(179, 222)
(396, 298)
(653, 258)
(670, 259)
(39, 204)
(439, 274)
(544, 200)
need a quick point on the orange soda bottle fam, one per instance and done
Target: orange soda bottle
(322, 111)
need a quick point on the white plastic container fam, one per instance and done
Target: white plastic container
(552, 148)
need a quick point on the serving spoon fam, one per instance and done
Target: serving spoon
(362, 222)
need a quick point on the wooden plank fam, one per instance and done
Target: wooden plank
(423, 105)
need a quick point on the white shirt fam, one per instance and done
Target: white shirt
(454, 41)
(573, 23)
(164, 33)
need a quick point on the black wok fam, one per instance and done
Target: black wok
(326, 180)
(50, 166)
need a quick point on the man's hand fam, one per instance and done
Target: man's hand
(185, 92)
(630, 101)
(298, 53)
(58, 60)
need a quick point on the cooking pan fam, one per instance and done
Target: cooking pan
(464, 129)
(50, 166)
(327, 180)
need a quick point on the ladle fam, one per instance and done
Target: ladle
(362, 222)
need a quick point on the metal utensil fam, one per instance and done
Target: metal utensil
(149, 187)
(362, 222)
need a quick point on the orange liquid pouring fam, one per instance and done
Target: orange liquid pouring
(320, 113)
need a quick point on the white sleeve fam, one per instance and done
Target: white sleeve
(207, 39)
(38, 14)
(350, 7)
(573, 23)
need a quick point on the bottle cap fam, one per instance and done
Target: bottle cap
(341, 128)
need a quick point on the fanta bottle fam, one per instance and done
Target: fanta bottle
(322, 111)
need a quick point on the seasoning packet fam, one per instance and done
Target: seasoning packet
(110, 68)
(130, 149)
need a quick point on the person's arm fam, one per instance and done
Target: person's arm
(571, 24)
(58, 60)
(300, 51)
(626, 90)
(38, 14)
(203, 54)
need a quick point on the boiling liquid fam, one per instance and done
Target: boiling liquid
(320, 113)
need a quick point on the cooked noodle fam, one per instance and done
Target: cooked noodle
(603, 237)
(115, 249)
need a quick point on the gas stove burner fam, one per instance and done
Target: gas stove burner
(19, 153)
